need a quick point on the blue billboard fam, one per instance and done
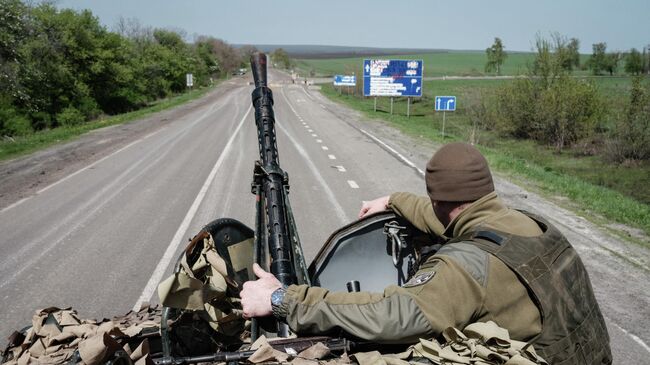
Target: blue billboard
(345, 80)
(392, 77)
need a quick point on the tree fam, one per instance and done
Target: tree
(598, 60)
(495, 56)
(632, 134)
(611, 62)
(634, 62)
(281, 58)
(246, 51)
(573, 54)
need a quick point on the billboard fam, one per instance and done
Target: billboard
(345, 80)
(392, 77)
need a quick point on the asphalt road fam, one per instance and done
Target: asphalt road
(100, 238)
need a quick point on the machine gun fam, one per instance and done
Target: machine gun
(275, 228)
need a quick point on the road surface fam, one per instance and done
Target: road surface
(100, 224)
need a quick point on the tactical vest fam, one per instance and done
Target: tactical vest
(573, 328)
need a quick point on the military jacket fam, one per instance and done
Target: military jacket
(452, 288)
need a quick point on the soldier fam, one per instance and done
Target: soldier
(499, 264)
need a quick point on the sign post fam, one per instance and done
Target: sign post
(393, 78)
(445, 104)
(408, 107)
(189, 80)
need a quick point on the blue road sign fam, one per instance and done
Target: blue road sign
(345, 80)
(392, 77)
(445, 103)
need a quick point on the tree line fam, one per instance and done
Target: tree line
(549, 105)
(61, 67)
(568, 52)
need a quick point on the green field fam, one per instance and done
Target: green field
(452, 63)
(605, 191)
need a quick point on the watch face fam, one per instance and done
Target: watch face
(277, 296)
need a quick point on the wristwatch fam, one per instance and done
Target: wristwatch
(277, 297)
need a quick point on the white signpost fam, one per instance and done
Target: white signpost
(189, 80)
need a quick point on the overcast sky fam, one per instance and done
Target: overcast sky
(451, 24)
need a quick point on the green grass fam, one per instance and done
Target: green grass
(606, 192)
(21, 146)
(453, 63)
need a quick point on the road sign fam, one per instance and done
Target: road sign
(392, 77)
(345, 80)
(445, 103)
(189, 80)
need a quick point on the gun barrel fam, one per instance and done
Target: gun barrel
(274, 178)
(258, 65)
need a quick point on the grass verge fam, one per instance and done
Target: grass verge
(20, 146)
(543, 169)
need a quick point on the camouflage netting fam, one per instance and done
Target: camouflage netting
(56, 334)
(478, 344)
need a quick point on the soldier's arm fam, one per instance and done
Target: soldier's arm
(417, 210)
(445, 296)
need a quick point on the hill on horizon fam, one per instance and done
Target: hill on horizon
(302, 51)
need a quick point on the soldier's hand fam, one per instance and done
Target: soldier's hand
(374, 206)
(256, 295)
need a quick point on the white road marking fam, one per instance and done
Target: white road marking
(306, 126)
(309, 95)
(324, 148)
(331, 157)
(340, 168)
(353, 184)
(95, 163)
(340, 212)
(314, 135)
(310, 130)
(322, 106)
(157, 274)
(78, 171)
(319, 141)
(634, 337)
(393, 151)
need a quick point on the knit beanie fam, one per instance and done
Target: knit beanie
(458, 172)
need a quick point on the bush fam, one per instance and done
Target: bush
(12, 122)
(631, 138)
(70, 116)
(549, 105)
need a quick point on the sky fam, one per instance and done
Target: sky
(451, 24)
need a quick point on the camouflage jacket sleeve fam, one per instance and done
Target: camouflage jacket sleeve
(440, 295)
(417, 210)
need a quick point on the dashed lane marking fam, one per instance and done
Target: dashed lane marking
(319, 141)
(314, 135)
(310, 130)
(353, 184)
(340, 168)
(331, 157)
(324, 148)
